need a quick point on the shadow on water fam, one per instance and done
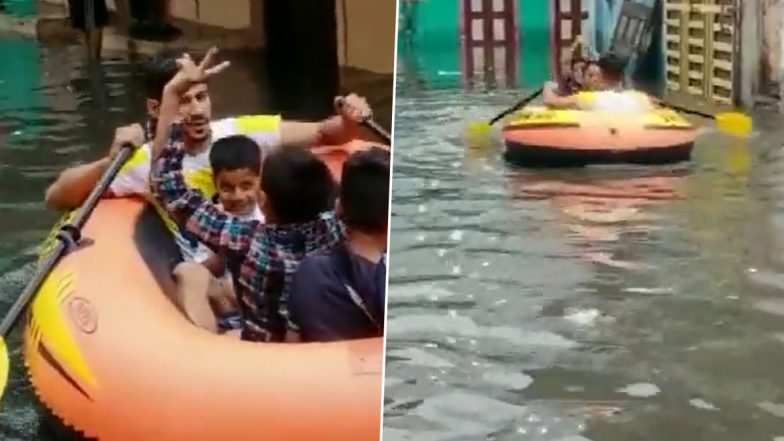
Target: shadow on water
(57, 111)
(604, 303)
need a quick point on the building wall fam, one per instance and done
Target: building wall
(210, 12)
(603, 15)
(433, 43)
(533, 19)
(366, 34)
(366, 28)
(771, 44)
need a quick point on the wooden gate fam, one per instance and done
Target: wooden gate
(489, 39)
(701, 40)
(567, 25)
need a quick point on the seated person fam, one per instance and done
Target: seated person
(608, 94)
(573, 81)
(236, 167)
(73, 185)
(296, 196)
(340, 293)
(197, 133)
(592, 76)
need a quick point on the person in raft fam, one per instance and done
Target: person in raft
(268, 131)
(74, 184)
(574, 80)
(340, 293)
(236, 168)
(608, 93)
(592, 76)
(295, 197)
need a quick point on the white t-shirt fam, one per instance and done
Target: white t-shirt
(134, 176)
(617, 101)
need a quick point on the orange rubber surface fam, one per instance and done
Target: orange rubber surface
(109, 354)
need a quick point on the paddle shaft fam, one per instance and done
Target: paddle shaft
(371, 124)
(376, 128)
(516, 106)
(12, 316)
(689, 111)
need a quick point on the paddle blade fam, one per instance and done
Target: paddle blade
(4, 366)
(477, 135)
(735, 123)
(478, 129)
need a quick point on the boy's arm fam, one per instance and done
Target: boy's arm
(552, 99)
(216, 264)
(188, 74)
(197, 215)
(74, 184)
(331, 131)
(167, 114)
(338, 129)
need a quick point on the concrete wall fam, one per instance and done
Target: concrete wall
(771, 46)
(365, 35)
(603, 15)
(368, 40)
(210, 12)
(750, 48)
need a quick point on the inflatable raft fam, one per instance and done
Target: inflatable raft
(112, 357)
(537, 136)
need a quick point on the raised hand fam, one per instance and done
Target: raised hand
(191, 73)
(353, 108)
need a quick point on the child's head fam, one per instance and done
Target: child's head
(364, 191)
(296, 186)
(236, 165)
(592, 75)
(578, 68)
(612, 67)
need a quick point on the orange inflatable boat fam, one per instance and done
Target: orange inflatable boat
(538, 136)
(112, 357)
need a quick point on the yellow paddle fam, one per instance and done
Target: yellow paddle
(479, 129)
(69, 236)
(734, 123)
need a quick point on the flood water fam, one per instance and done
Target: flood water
(604, 303)
(55, 111)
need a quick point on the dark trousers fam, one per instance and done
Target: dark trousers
(88, 14)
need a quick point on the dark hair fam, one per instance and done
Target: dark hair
(298, 184)
(234, 153)
(364, 190)
(612, 66)
(159, 71)
(576, 60)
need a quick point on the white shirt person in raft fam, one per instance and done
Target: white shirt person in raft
(269, 131)
(607, 94)
(199, 133)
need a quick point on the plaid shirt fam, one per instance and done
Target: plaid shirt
(262, 258)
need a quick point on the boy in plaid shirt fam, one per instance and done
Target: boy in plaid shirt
(296, 198)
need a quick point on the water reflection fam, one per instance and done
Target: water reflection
(597, 210)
